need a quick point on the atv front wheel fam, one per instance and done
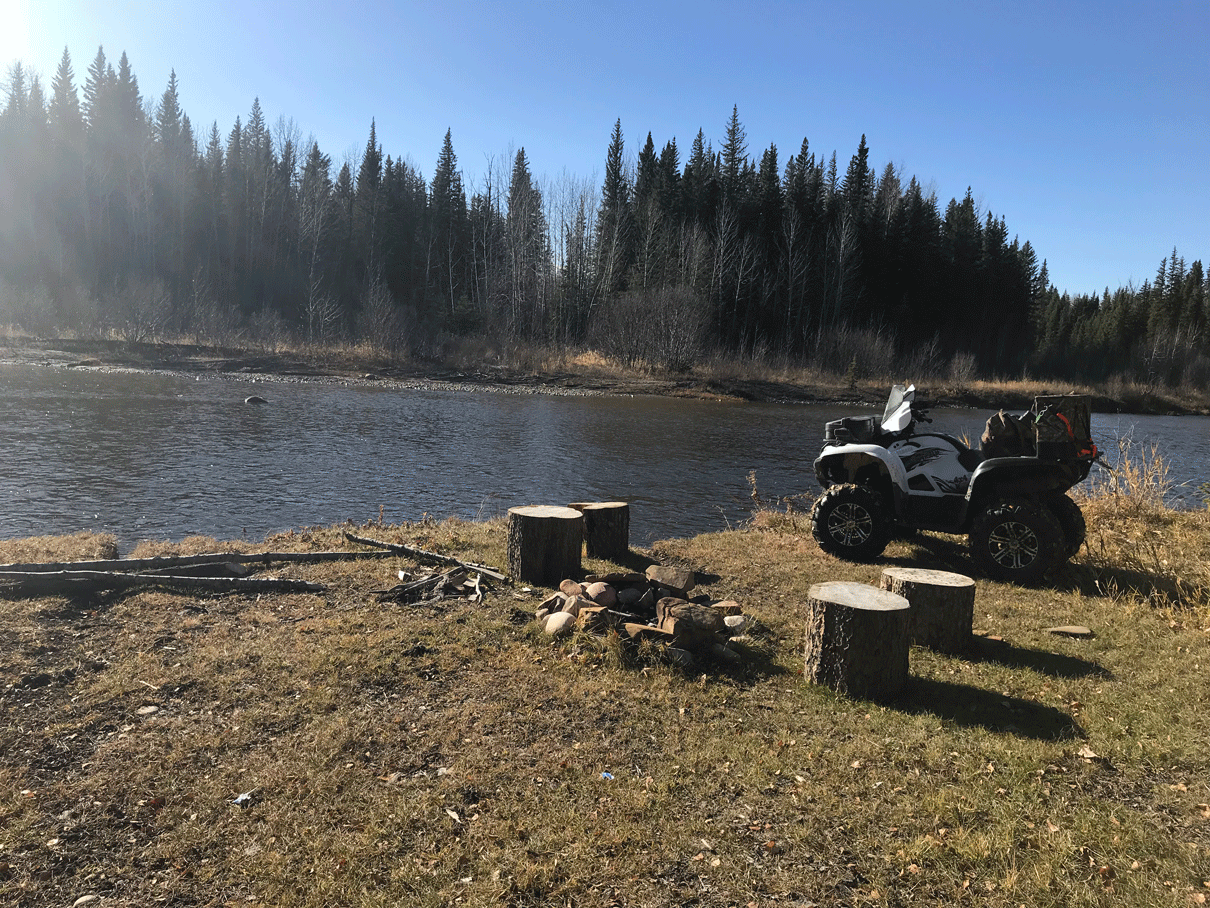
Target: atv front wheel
(849, 521)
(1071, 519)
(1017, 542)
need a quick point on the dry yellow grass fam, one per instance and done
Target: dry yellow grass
(449, 753)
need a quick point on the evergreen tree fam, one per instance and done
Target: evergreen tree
(448, 227)
(615, 221)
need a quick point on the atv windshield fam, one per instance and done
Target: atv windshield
(898, 413)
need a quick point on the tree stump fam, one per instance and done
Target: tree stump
(943, 606)
(544, 543)
(857, 639)
(606, 528)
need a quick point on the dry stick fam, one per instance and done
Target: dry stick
(400, 548)
(51, 581)
(404, 591)
(145, 564)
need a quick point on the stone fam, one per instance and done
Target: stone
(728, 607)
(737, 624)
(680, 580)
(559, 624)
(679, 658)
(602, 594)
(708, 619)
(571, 588)
(554, 602)
(542, 612)
(574, 603)
(1071, 630)
(646, 602)
(724, 653)
(616, 578)
(647, 632)
(629, 596)
(589, 617)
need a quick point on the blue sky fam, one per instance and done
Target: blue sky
(1086, 125)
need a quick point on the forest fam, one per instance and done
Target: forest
(119, 219)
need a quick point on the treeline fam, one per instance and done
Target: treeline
(117, 217)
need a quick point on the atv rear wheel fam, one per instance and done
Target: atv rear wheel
(1017, 542)
(1071, 519)
(849, 521)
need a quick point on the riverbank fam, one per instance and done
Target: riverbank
(314, 749)
(587, 374)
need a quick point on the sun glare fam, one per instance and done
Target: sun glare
(14, 34)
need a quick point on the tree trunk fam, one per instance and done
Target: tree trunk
(856, 639)
(606, 528)
(942, 606)
(544, 543)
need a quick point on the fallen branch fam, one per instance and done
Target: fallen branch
(401, 549)
(437, 584)
(24, 583)
(168, 561)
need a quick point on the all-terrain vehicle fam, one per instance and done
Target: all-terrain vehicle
(882, 477)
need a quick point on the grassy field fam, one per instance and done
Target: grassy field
(450, 754)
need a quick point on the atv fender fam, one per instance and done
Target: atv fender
(1016, 477)
(870, 465)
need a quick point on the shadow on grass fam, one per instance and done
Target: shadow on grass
(971, 706)
(1159, 589)
(983, 649)
(950, 553)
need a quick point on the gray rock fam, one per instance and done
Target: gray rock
(737, 624)
(1071, 630)
(559, 624)
(681, 658)
(602, 594)
(679, 580)
(629, 596)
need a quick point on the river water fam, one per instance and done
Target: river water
(165, 456)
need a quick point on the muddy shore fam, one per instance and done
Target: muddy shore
(337, 365)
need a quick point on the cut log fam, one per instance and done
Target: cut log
(606, 528)
(942, 606)
(544, 543)
(856, 639)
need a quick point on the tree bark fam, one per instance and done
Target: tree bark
(606, 528)
(856, 639)
(544, 543)
(942, 606)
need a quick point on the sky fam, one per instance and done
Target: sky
(1085, 125)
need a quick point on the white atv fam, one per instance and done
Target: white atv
(882, 477)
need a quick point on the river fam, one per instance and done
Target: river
(165, 455)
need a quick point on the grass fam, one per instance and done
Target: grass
(433, 755)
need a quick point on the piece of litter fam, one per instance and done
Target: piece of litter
(607, 776)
